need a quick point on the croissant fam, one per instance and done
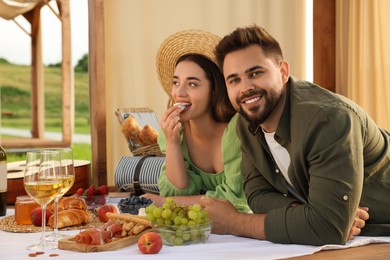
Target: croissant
(148, 135)
(131, 129)
(69, 218)
(69, 203)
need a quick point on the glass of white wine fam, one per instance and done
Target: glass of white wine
(43, 181)
(68, 177)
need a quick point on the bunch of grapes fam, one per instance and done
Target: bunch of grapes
(180, 225)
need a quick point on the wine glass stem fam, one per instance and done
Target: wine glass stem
(43, 224)
(55, 232)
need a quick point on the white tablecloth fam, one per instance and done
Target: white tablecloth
(13, 247)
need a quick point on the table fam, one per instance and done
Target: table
(13, 246)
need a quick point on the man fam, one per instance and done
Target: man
(311, 157)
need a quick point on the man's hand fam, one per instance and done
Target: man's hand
(227, 220)
(360, 221)
(222, 213)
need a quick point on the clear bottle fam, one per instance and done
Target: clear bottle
(3, 182)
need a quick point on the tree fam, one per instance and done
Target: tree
(82, 64)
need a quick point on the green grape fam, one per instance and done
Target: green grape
(196, 207)
(149, 209)
(160, 221)
(192, 214)
(165, 235)
(184, 221)
(191, 224)
(184, 227)
(173, 215)
(150, 217)
(157, 212)
(186, 236)
(181, 212)
(179, 233)
(177, 220)
(171, 239)
(168, 222)
(194, 232)
(166, 213)
(179, 241)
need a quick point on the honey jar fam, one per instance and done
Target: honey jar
(23, 207)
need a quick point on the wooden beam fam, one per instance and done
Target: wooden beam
(97, 91)
(67, 74)
(27, 143)
(324, 43)
(37, 82)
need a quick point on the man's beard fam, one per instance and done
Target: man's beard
(256, 116)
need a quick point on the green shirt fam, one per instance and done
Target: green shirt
(224, 185)
(340, 160)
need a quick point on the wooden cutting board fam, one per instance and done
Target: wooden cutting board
(71, 245)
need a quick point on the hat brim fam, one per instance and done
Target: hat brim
(179, 44)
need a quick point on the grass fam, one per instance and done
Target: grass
(80, 152)
(15, 82)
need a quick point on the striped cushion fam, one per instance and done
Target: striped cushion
(137, 170)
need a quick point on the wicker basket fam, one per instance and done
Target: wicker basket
(148, 150)
(144, 116)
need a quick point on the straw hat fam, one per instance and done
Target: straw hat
(179, 44)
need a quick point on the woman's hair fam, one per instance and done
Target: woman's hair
(242, 38)
(220, 107)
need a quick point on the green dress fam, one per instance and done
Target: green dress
(226, 184)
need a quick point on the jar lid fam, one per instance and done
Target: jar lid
(24, 198)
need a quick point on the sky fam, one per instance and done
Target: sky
(15, 44)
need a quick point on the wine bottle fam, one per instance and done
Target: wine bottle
(3, 182)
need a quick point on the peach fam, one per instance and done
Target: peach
(101, 211)
(36, 216)
(150, 243)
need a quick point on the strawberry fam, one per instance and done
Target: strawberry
(100, 200)
(103, 190)
(80, 192)
(92, 191)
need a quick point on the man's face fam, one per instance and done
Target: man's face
(254, 83)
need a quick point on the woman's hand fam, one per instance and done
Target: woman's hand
(157, 200)
(360, 221)
(170, 124)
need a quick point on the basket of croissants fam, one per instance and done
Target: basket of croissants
(142, 140)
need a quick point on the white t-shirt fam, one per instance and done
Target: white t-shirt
(280, 154)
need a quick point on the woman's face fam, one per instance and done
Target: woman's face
(191, 87)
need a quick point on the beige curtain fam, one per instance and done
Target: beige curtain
(363, 55)
(134, 29)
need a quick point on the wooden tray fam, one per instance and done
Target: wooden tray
(71, 245)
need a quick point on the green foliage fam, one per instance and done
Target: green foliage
(55, 65)
(82, 65)
(3, 61)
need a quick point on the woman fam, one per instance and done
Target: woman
(198, 136)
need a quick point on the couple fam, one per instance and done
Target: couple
(297, 164)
